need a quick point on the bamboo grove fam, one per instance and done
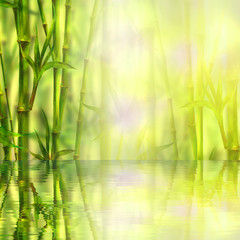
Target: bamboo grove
(45, 38)
(113, 80)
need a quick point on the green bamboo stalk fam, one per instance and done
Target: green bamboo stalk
(152, 103)
(22, 23)
(232, 113)
(200, 86)
(232, 78)
(191, 114)
(23, 109)
(7, 98)
(42, 14)
(83, 87)
(3, 114)
(168, 87)
(57, 76)
(105, 138)
(65, 51)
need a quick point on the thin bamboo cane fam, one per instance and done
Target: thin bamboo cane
(105, 137)
(83, 87)
(168, 87)
(57, 76)
(65, 50)
(199, 86)
(42, 14)
(191, 114)
(3, 113)
(7, 98)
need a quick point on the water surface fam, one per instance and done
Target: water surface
(120, 200)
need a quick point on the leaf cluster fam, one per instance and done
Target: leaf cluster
(46, 149)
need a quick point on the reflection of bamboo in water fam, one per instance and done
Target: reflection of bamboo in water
(232, 178)
(85, 200)
(56, 202)
(7, 187)
(65, 200)
(23, 226)
(192, 179)
(166, 198)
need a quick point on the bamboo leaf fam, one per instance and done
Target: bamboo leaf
(6, 142)
(7, 4)
(157, 150)
(47, 131)
(219, 92)
(37, 57)
(202, 104)
(37, 156)
(229, 96)
(56, 64)
(209, 81)
(29, 60)
(7, 133)
(48, 39)
(41, 146)
(48, 55)
(62, 153)
(212, 154)
(94, 109)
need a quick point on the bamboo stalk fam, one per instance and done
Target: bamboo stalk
(7, 98)
(191, 114)
(65, 51)
(232, 113)
(83, 87)
(168, 87)
(57, 76)
(200, 86)
(3, 113)
(22, 23)
(23, 109)
(42, 14)
(105, 138)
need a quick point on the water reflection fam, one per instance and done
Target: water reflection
(108, 200)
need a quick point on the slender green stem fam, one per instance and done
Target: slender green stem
(83, 87)
(57, 76)
(3, 114)
(191, 114)
(200, 86)
(168, 87)
(233, 143)
(81, 113)
(42, 14)
(105, 137)
(65, 50)
(7, 98)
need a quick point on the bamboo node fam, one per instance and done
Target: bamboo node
(22, 109)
